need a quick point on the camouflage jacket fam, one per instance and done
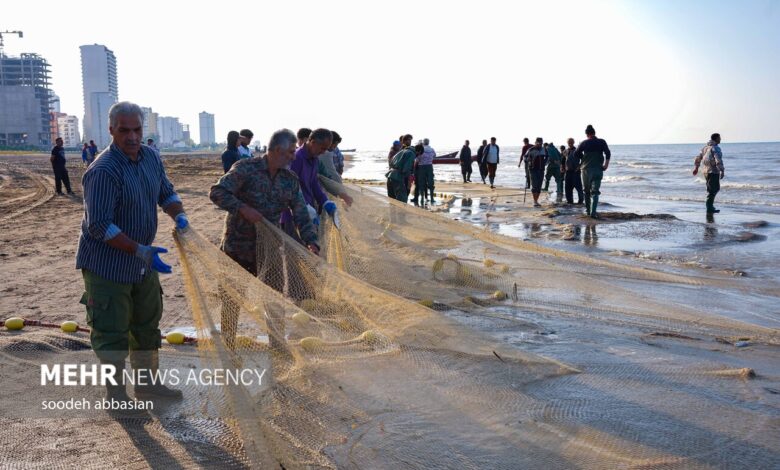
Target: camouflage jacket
(249, 182)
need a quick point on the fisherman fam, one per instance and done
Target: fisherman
(327, 164)
(120, 266)
(401, 168)
(491, 158)
(395, 148)
(150, 143)
(483, 171)
(254, 189)
(554, 171)
(572, 177)
(85, 154)
(536, 156)
(231, 155)
(57, 160)
(423, 173)
(245, 140)
(336, 155)
(465, 162)
(525, 148)
(714, 171)
(93, 150)
(306, 166)
(303, 135)
(594, 154)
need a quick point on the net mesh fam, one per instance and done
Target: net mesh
(415, 341)
(374, 364)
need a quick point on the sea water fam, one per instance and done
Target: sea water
(743, 239)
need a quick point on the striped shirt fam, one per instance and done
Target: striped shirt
(125, 194)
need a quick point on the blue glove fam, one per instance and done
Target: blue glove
(149, 254)
(330, 207)
(315, 219)
(182, 221)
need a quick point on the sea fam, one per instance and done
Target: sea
(742, 240)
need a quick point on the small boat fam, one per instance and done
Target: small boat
(348, 150)
(450, 158)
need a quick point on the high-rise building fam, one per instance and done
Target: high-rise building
(185, 132)
(25, 101)
(170, 130)
(99, 79)
(150, 123)
(68, 127)
(207, 136)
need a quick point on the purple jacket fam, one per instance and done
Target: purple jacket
(306, 166)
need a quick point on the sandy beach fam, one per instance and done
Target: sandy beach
(685, 372)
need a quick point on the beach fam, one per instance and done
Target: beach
(650, 391)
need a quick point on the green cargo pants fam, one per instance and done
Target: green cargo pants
(591, 183)
(554, 171)
(122, 316)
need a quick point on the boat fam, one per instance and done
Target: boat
(450, 158)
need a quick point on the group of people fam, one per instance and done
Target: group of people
(411, 165)
(577, 168)
(126, 184)
(116, 255)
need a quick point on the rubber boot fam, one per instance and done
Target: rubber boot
(431, 195)
(711, 205)
(149, 362)
(118, 393)
(593, 205)
(587, 205)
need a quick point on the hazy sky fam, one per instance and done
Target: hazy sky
(640, 72)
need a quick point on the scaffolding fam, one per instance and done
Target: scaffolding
(28, 70)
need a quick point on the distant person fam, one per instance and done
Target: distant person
(481, 164)
(58, 165)
(465, 162)
(714, 171)
(423, 176)
(594, 154)
(93, 150)
(395, 148)
(306, 166)
(525, 148)
(231, 155)
(303, 135)
(338, 157)
(246, 138)
(492, 159)
(554, 171)
(401, 168)
(85, 154)
(150, 143)
(572, 177)
(536, 156)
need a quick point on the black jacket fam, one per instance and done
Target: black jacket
(465, 155)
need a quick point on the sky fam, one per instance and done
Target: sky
(641, 72)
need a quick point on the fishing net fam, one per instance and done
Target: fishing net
(373, 363)
(415, 341)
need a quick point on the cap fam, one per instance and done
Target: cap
(396, 142)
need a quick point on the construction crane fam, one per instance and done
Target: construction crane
(21, 35)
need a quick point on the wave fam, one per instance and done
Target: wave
(617, 179)
(748, 186)
(747, 202)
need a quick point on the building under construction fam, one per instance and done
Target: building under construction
(25, 101)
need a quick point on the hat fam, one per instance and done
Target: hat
(396, 142)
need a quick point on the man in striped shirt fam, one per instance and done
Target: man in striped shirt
(123, 297)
